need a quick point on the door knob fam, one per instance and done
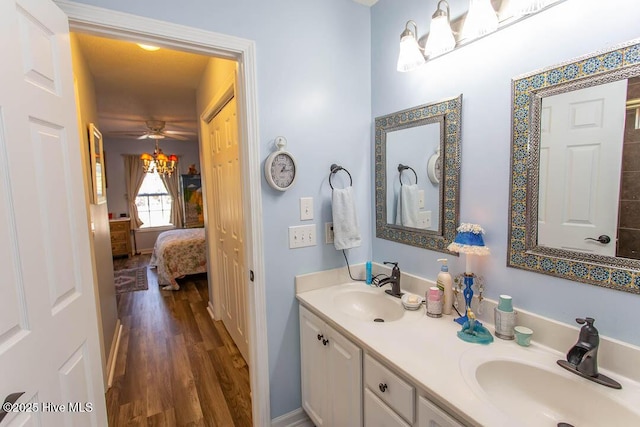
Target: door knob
(8, 401)
(603, 238)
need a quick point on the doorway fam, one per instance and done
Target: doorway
(116, 25)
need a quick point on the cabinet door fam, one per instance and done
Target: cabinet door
(429, 415)
(315, 376)
(345, 384)
(378, 414)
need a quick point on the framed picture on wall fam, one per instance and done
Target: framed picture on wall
(98, 170)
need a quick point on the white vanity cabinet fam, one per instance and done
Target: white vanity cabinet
(331, 374)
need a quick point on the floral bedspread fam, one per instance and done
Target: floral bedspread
(178, 253)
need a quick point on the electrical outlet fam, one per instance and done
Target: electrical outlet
(420, 199)
(328, 233)
(306, 208)
(301, 236)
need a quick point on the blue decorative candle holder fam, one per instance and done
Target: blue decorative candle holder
(468, 296)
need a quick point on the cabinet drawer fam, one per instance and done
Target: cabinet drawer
(119, 226)
(119, 236)
(429, 415)
(377, 414)
(389, 387)
(119, 249)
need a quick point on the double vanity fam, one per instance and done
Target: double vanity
(412, 370)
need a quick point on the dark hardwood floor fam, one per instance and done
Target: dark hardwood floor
(175, 365)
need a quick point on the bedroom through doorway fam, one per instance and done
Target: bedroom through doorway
(161, 315)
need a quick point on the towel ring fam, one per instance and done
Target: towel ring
(402, 167)
(335, 169)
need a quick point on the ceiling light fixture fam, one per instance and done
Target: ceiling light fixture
(440, 39)
(162, 164)
(148, 47)
(410, 56)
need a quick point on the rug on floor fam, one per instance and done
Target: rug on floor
(130, 280)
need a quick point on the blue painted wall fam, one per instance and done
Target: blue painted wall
(314, 87)
(482, 72)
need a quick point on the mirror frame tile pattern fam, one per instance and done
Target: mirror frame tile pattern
(605, 66)
(449, 210)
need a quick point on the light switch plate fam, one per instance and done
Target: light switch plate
(420, 199)
(306, 208)
(424, 219)
(301, 236)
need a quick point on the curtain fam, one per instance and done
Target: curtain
(173, 188)
(134, 175)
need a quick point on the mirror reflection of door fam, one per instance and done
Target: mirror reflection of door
(413, 147)
(580, 165)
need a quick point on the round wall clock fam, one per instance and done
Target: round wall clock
(434, 168)
(280, 167)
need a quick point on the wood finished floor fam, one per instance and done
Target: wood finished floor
(175, 365)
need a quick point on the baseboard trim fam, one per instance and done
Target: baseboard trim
(296, 418)
(145, 251)
(113, 354)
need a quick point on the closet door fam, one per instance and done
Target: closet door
(223, 131)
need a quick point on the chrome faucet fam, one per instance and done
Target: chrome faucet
(394, 280)
(582, 358)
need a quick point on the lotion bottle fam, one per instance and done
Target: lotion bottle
(445, 284)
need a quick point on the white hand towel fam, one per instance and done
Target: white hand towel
(399, 208)
(409, 205)
(346, 233)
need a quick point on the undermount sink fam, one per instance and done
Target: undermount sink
(369, 306)
(540, 395)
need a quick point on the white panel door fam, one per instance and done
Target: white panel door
(49, 346)
(580, 161)
(223, 133)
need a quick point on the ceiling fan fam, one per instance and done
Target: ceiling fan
(156, 130)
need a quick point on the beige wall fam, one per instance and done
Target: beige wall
(101, 242)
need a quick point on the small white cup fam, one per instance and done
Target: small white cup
(523, 335)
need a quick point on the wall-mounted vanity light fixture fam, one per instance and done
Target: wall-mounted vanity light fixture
(440, 38)
(410, 56)
(483, 17)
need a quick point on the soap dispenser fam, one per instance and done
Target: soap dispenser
(445, 284)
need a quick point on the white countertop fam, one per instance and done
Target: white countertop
(428, 352)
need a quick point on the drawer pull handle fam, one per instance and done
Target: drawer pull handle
(325, 342)
(320, 336)
(383, 387)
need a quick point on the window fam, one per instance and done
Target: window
(153, 202)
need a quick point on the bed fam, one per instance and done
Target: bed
(178, 253)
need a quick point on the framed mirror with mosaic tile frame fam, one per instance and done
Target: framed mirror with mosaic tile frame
(619, 271)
